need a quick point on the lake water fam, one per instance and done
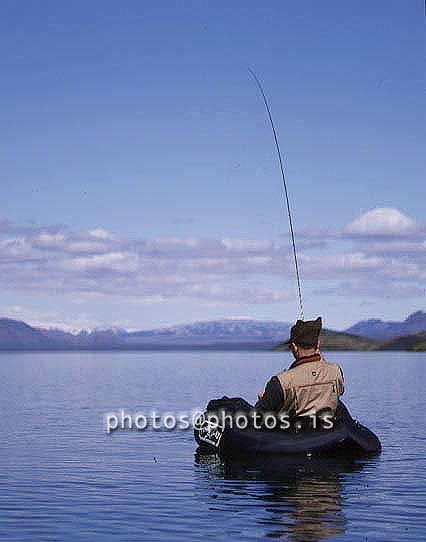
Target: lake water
(63, 478)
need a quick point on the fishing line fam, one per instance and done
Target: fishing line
(285, 192)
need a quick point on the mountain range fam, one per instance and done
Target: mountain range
(383, 331)
(229, 334)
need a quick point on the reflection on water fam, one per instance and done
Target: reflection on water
(302, 497)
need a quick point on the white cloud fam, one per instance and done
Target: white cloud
(114, 261)
(382, 221)
(50, 240)
(247, 245)
(226, 270)
(100, 233)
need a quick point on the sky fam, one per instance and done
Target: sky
(139, 182)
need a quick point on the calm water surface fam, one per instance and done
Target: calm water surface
(63, 478)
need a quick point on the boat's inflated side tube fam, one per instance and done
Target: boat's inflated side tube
(346, 436)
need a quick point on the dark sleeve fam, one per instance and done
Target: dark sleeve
(273, 398)
(341, 382)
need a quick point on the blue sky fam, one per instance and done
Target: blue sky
(140, 122)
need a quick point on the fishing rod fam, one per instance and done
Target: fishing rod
(285, 192)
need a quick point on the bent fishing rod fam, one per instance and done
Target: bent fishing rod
(285, 191)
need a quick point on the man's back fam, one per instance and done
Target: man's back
(311, 386)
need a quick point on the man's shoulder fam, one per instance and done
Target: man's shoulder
(334, 365)
(286, 375)
(283, 377)
(334, 368)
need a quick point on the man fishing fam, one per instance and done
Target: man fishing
(310, 386)
(305, 393)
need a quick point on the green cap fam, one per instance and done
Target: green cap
(306, 334)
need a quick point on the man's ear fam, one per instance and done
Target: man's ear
(318, 344)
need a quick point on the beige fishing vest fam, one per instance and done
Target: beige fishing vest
(310, 387)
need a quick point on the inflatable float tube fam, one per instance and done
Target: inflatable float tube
(347, 437)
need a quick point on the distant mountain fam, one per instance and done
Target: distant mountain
(227, 334)
(241, 333)
(16, 335)
(382, 330)
(20, 336)
(335, 340)
(217, 334)
(413, 343)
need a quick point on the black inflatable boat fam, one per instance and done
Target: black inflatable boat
(345, 437)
